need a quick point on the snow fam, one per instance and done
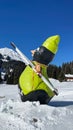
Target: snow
(16, 115)
(69, 75)
(9, 52)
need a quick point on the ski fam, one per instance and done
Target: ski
(28, 62)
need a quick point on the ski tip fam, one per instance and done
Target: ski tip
(13, 45)
(56, 92)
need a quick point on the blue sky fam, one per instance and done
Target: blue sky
(29, 22)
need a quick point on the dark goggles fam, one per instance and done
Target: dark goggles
(43, 55)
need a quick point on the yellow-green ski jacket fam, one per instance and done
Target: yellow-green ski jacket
(29, 81)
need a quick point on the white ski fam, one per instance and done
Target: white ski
(28, 62)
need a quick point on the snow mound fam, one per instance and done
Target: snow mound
(33, 116)
(17, 115)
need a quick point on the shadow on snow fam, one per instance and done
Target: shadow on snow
(60, 103)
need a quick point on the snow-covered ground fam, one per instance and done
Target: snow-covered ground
(57, 115)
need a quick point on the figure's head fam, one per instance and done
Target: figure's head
(45, 53)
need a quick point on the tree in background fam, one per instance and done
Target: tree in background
(59, 72)
(14, 68)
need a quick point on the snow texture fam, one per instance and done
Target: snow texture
(16, 115)
(9, 52)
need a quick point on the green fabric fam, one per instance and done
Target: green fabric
(52, 43)
(29, 81)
